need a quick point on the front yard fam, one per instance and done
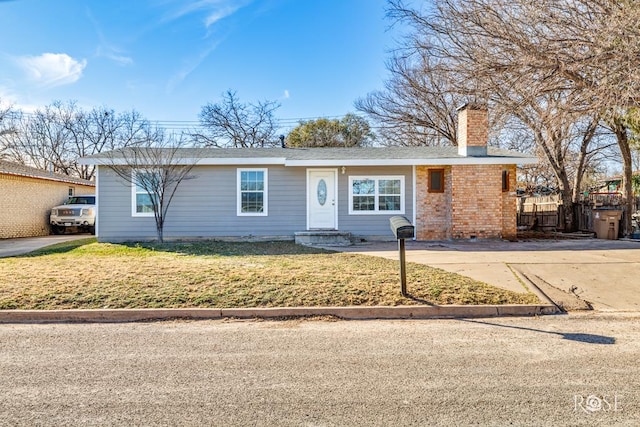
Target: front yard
(87, 274)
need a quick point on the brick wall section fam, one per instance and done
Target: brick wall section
(25, 204)
(509, 207)
(433, 210)
(473, 127)
(473, 204)
(476, 201)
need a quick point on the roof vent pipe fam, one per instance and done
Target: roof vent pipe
(282, 144)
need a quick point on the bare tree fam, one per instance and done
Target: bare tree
(582, 50)
(98, 130)
(418, 105)
(36, 140)
(54, 137)
(231, 123)
(156, 164)
(5, 126)
(557, 44)
(564, 139)
(633, 122)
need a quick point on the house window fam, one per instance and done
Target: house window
(376, 195)
(436, 181)
(141, 200)
(252, 192)
(71, 191)
(505, 181)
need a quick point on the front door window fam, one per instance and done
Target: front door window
(322, 192)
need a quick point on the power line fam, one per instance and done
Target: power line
(295, 120)
(282, 124)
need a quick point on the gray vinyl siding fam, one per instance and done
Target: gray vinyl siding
(114, 211)
(205, 206)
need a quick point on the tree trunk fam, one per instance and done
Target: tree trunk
(567, 208)
(567, 200)
(160, 226)
(627, 173)
(580, 170)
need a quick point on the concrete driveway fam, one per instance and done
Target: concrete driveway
(13, 247)
(576, 274)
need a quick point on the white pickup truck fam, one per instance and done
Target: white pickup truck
(77, 213)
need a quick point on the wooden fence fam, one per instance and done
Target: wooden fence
(545, 213)
(540, 213)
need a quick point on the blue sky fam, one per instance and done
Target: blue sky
(167, 58)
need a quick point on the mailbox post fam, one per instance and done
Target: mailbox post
(402, 229)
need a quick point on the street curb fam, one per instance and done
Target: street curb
(348, 313)
(535, 288)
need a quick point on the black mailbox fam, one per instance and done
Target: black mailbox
(401, 227)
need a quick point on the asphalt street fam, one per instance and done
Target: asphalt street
(541, 371)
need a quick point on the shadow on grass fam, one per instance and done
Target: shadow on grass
(60, 248)
(221, 248)
(420, 300)
(579, 337)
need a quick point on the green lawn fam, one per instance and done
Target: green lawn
(87, 274)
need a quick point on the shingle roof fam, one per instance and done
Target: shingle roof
(10, 168)
(326, 156)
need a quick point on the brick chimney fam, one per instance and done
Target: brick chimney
(473, 130)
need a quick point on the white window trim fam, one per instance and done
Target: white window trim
(134, 210)
(265, 198)
(377, 211)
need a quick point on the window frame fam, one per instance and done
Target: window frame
(430, 180)
(134, 198)
(265, 192)
(376, 194)
(506, 184)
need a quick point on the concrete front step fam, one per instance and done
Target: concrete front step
(323, 238)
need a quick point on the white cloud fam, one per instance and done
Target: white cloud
(189, 67)
(106, 49)
(219, 14)
(9, 99)
(53, 69)
(211, 12)
(113, 54)
(215, 10)
(285, 95)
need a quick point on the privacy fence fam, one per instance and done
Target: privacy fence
(545, 213)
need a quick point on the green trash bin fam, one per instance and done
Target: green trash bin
(606, 223)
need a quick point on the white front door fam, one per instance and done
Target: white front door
(322, 203)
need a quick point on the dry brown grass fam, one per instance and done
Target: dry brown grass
(87, 274)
